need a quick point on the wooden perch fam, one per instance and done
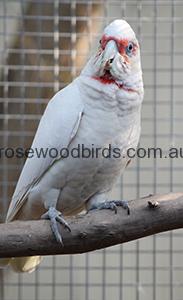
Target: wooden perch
(95, 230)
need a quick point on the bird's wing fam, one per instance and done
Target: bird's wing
(57, 128)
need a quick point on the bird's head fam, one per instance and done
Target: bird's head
(118, 58)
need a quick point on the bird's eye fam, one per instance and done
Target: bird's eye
(129, 48)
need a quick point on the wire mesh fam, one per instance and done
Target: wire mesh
(44, 45)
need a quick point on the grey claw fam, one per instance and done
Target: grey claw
(45, 216)
(124, 204)
(63, 222)
(55, 216)
(112, 205)
(54, 228)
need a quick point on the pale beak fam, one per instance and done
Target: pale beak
(109, 54)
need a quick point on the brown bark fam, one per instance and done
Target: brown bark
(95, 230)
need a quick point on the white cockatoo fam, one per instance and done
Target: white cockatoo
(99, 108)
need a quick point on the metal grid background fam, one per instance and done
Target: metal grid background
(43, 46)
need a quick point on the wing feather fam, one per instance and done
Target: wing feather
(57, 127)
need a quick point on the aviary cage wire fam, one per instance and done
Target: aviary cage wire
(43, 46)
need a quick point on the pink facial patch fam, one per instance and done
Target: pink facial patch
(121, 44)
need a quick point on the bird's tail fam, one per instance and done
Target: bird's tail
(4, 262)
(22, 264)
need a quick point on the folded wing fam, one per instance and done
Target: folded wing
(57, 128)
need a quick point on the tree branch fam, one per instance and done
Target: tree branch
(95, 230)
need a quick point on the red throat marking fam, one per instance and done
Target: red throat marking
(106, 79)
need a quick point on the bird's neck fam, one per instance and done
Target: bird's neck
(127, 97)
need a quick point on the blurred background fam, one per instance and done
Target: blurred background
(44, 44)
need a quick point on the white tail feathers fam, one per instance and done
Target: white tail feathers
(4, 262)
(21, 264)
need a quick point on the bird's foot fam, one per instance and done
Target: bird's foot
(55, 216)
(112, 205)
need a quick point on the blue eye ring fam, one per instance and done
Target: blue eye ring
(129, 48)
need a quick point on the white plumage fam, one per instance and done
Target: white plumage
(56, 130)
(100, 107)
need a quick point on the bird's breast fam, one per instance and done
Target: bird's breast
(92, 165)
